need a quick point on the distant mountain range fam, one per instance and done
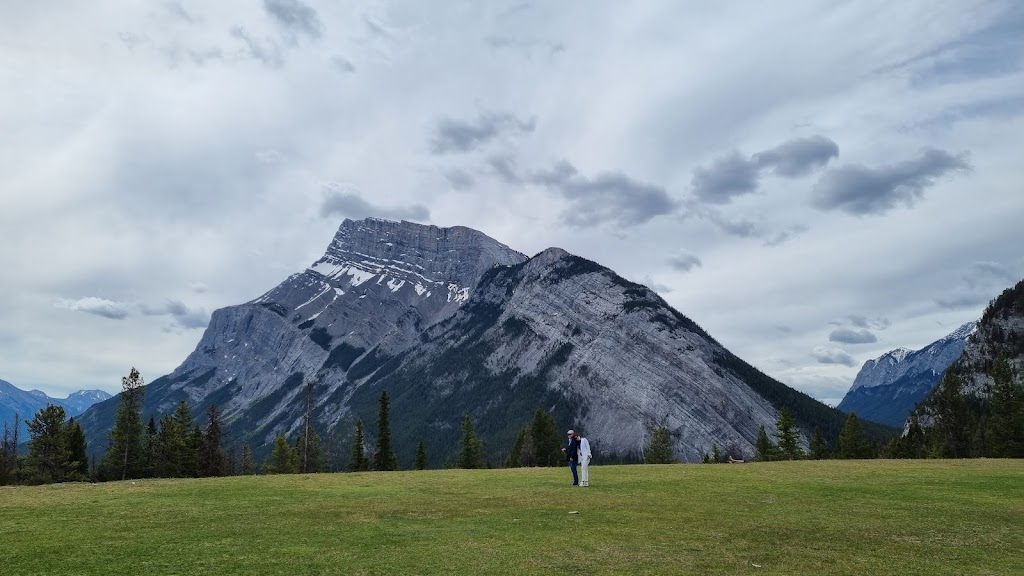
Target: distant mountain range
(887, 388)
(25, 404)
(449, 321)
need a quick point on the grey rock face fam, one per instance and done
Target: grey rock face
(449, 321)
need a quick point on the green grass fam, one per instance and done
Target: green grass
(842, 517)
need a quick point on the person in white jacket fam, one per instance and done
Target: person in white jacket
(585, 457)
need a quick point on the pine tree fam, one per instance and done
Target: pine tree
(421, 456)
(211, 457)
(49, 458)
(384, 458)
(470, 455)
(192, 452)
(79, 455)
(357, 460)
(659, 451)
(953, 420)
(1006, 425)
(9, 452)
(547, 442)
(247, 466)
(308, 453)
(282, 458)
(716, 454)
(766, 451)
(852, 444)
(914, 442)
(788, 435)
(819, 448)
(124, 458)
(150, 437)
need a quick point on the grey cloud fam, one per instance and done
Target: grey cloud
(653, 285)
(798, 157)
(684, 261)
(963, 299)
(97, 306)
(178, 11)
(461, 136)
(340, 200)
(861, 321)
(981, 283)
(266, 51)
(376, 28)
(734, 175)
(525, 46)
(459, 179)
(851, 336)
(342, 64)
(198, 287)
(996, 49)
(725, 178)
(606, 197)
(295, 16)
(505, 169)
(783, 236)
(826, 355)
(859, 190)
(991, 269)
(185, 317)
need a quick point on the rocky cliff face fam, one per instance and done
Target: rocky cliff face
(887, 388)
(1000, 331)
(449, 321)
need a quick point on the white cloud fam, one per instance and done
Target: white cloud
(193, 142)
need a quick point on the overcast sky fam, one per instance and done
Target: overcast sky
(812, 182)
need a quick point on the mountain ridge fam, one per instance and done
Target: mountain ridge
(450, 321)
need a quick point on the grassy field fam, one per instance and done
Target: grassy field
(842, 517)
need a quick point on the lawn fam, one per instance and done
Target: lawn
(835, 517)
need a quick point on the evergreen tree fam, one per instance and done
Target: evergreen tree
(852, 444)
(953, 420)
(49, 458)
(421, 456)
(124, 457)
(1006, 426)
(716, 454)
(913, 444)
(384, 458)
(470, 455)
(819, 447)
(547, 442)
(247, 466)
(659, 451)
(308, 453)
(282, 458)
(357, 460)
(9, 452)
(211, 457)
(192, 453)
(150, 438)
(79, 455)
(788, 435)
(766, 451)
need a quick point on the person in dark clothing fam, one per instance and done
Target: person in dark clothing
(572, 454)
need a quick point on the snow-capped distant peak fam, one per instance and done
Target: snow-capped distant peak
(897, 355)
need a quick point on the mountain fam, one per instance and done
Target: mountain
(1000, 331)
(968, 414)
(25, 404)
(450, 321)
(887, 388)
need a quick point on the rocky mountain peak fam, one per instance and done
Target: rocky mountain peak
(431, 253)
